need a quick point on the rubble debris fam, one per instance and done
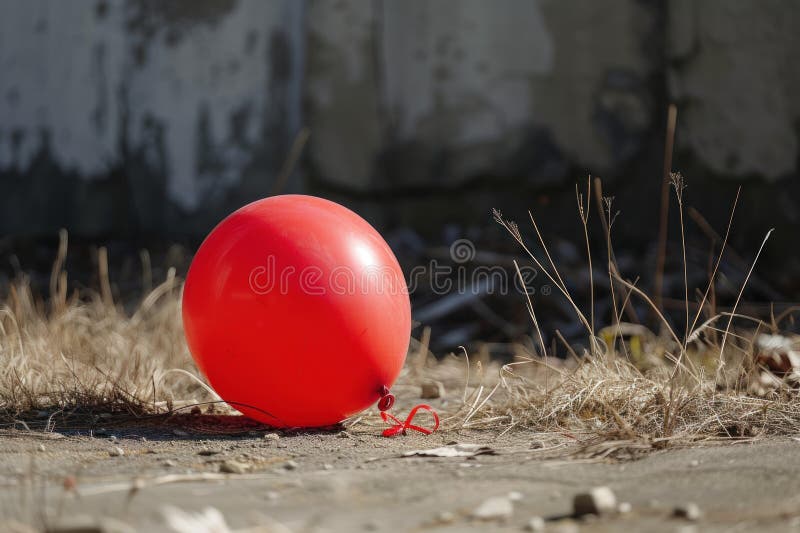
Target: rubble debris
(453, 450)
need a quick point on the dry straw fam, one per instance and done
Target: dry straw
(71, 357)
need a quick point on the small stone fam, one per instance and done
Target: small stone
(694, 463)
(327, 466)
(599, 500)
(112, 438)
(624, 507)
(515, 496)
(290, 465)
(207, 452)
(431, 390)
(116, 451)
(446, 517)
(689, 511)
(169, 463)
(272, 437)
(343, 435)
(537, 445)
(497, 508)
(41, 448)
(233, 467)
(535, 524)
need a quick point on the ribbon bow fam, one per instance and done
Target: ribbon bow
(401, 427)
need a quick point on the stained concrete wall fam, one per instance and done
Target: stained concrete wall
(148, 116)
(445, 91)
(117, 114)
(734, 69)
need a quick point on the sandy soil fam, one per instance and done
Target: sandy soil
(359, 481)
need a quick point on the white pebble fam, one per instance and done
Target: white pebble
(116, 451)
(599, 500)
(233, 467)
(494, 509)
(689, 511)
(535, 524)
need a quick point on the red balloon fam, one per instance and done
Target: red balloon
(297, 312)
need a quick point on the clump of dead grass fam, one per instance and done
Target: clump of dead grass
(672, 387)
(83, 352)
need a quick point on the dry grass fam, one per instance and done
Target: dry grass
(82, 353)
(709, 382)
(80, 356)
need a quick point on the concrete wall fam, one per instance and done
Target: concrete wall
(120, 113)
(734, 69)
(445, 91)
(126, 117)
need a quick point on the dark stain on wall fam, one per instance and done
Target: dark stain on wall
(169, 20)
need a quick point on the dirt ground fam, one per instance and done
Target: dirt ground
(356, 480)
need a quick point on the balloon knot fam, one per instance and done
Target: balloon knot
(401, 426)
(387, 399)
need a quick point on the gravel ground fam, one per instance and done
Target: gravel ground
(128, 479)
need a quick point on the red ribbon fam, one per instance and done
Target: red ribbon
(401, 427)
